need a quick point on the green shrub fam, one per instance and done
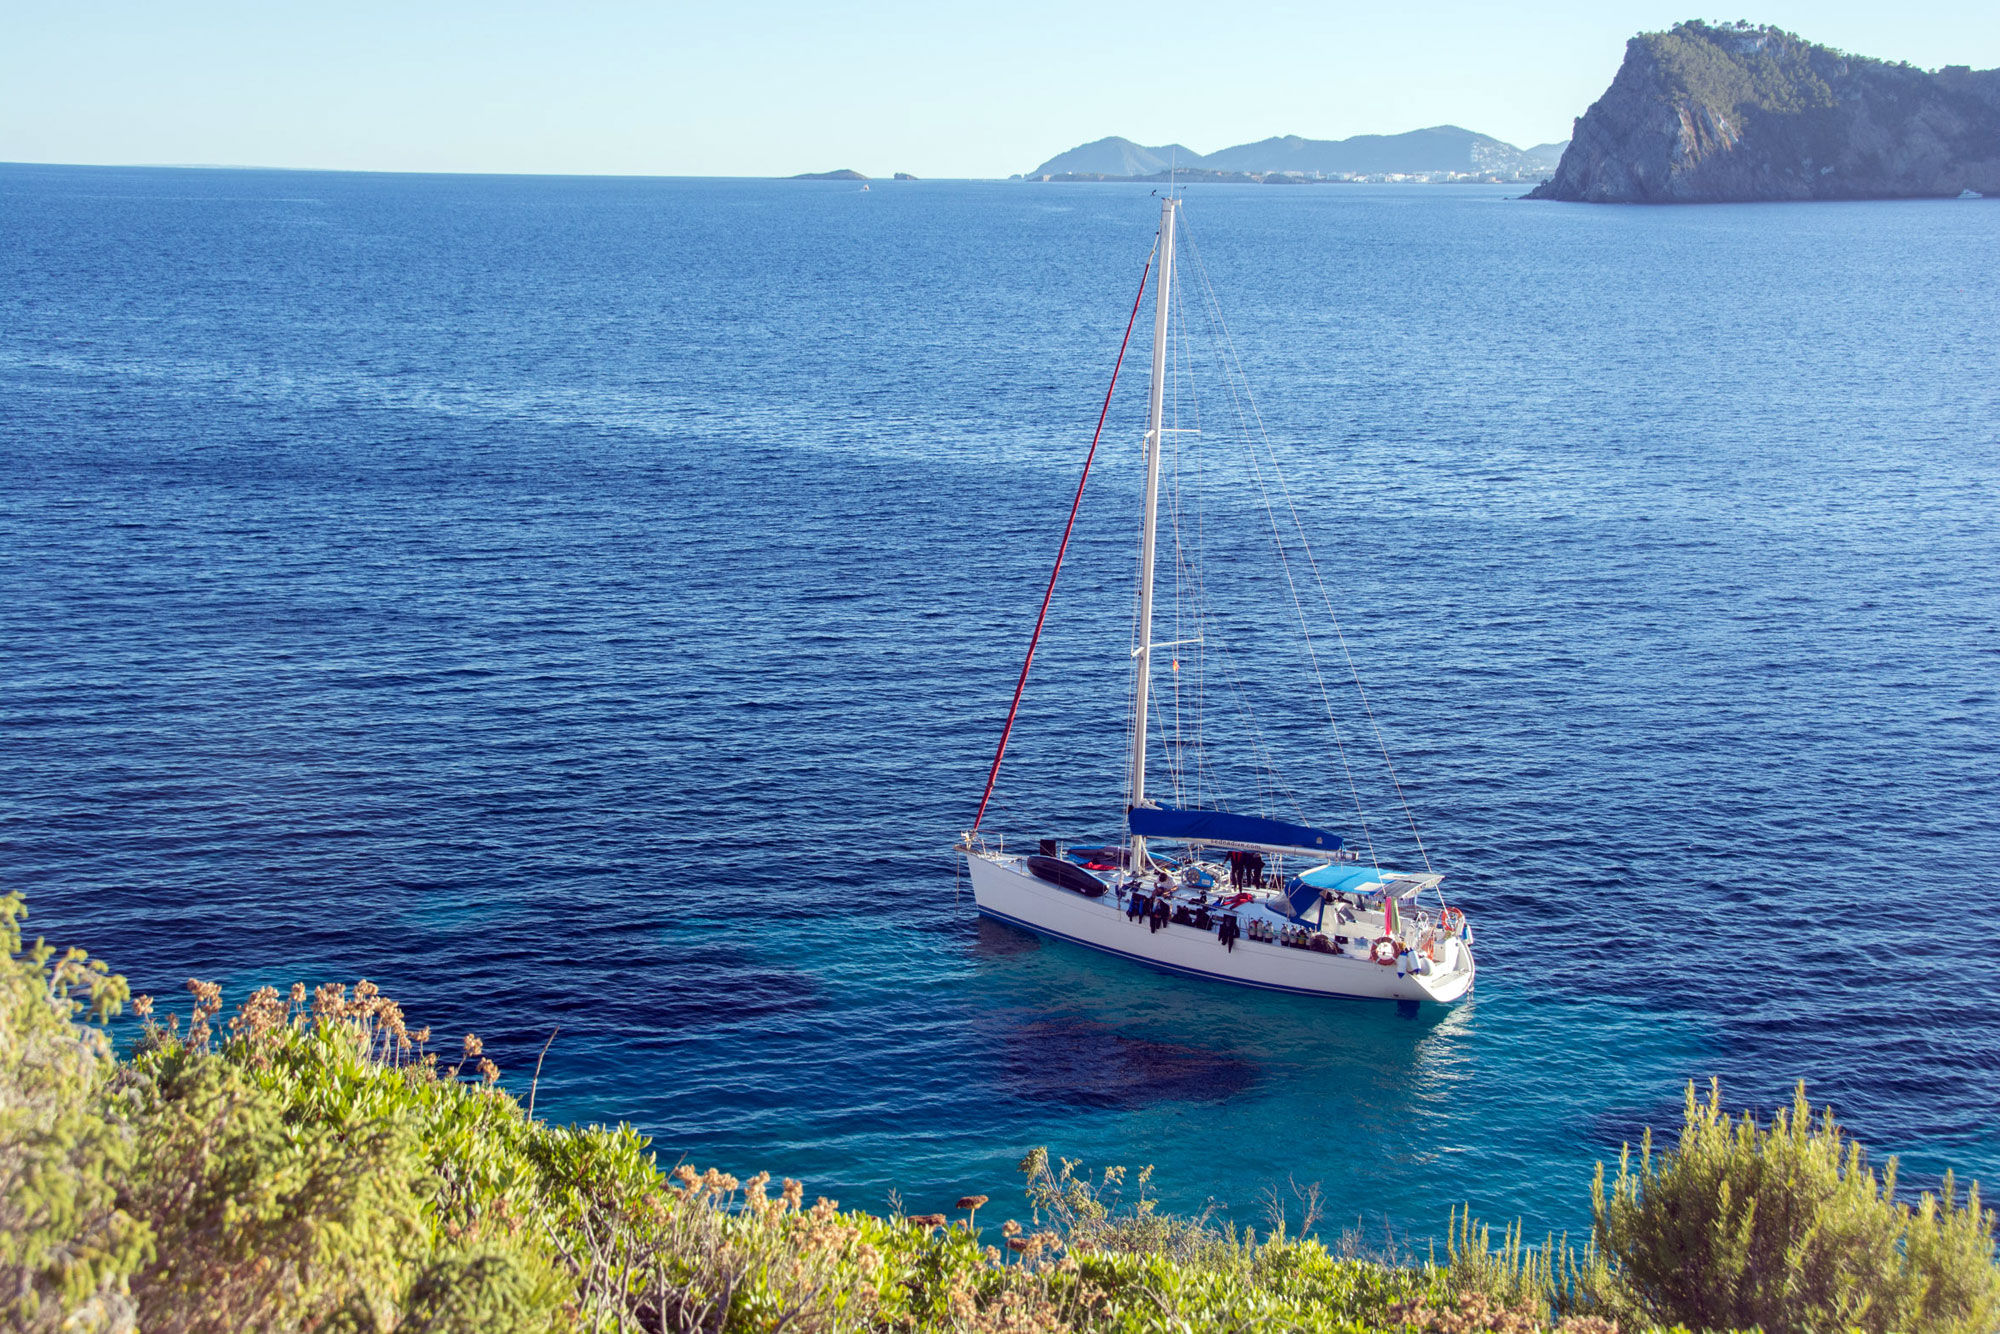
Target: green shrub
(263, 1221)
(312, 1165)
(1092, 1214)
(490, 1289)
(1786, 1228)
(67, 1250)
(1512, 1275)
(315, 1170)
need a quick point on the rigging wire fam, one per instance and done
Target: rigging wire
(1326, 599)
(1231, 361)
(1042, 616)
(1272, 791)
(1197, 584)
(1191, 591)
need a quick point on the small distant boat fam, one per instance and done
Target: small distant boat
(864, 188)
(1193, 888)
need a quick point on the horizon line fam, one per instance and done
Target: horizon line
(809, 178)
(478, 171)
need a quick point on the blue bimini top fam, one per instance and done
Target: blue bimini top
(1303, 891)
(1345, 877)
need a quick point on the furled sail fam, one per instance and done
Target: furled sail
(1227, 829)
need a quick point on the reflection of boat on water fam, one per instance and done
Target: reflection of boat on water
(1196, 888)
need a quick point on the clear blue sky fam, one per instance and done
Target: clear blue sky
(772, 87)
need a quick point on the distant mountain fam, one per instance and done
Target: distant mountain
(844, 174)
(1546, 157)
(1118, 157)
(1705, 113)
(1442, 150)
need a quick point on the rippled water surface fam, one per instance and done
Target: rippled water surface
(593, 603)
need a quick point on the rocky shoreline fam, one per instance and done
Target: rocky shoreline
(1712, 114)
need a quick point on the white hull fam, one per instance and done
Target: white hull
(1004, 890)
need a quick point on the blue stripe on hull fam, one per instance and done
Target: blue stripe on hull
(1158, 966)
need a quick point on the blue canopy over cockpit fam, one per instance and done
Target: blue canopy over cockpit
(1303, 891)
(1371, 883)
(1345, 877)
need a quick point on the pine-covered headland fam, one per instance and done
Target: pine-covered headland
(1708, 113)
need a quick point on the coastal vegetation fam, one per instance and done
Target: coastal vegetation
(316, 1163)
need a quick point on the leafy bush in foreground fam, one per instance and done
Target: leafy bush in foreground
(65, 1244)
(1786, 1228)
(314, 1165)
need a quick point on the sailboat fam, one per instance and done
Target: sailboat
(1198, 889)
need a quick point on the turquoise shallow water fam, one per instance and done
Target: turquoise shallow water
(593, 602)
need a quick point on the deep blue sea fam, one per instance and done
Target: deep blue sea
(593, 603)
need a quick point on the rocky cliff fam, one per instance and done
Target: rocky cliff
(1707, 114)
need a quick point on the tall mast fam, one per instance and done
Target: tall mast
(1149, 526)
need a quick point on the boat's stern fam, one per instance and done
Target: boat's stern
(1447, 984)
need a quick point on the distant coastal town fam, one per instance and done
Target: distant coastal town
(1439, 154)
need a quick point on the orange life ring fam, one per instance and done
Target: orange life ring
(1454, 920)
(1385, 956)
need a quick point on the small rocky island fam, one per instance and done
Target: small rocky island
(1708, 114)
(844, 174)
